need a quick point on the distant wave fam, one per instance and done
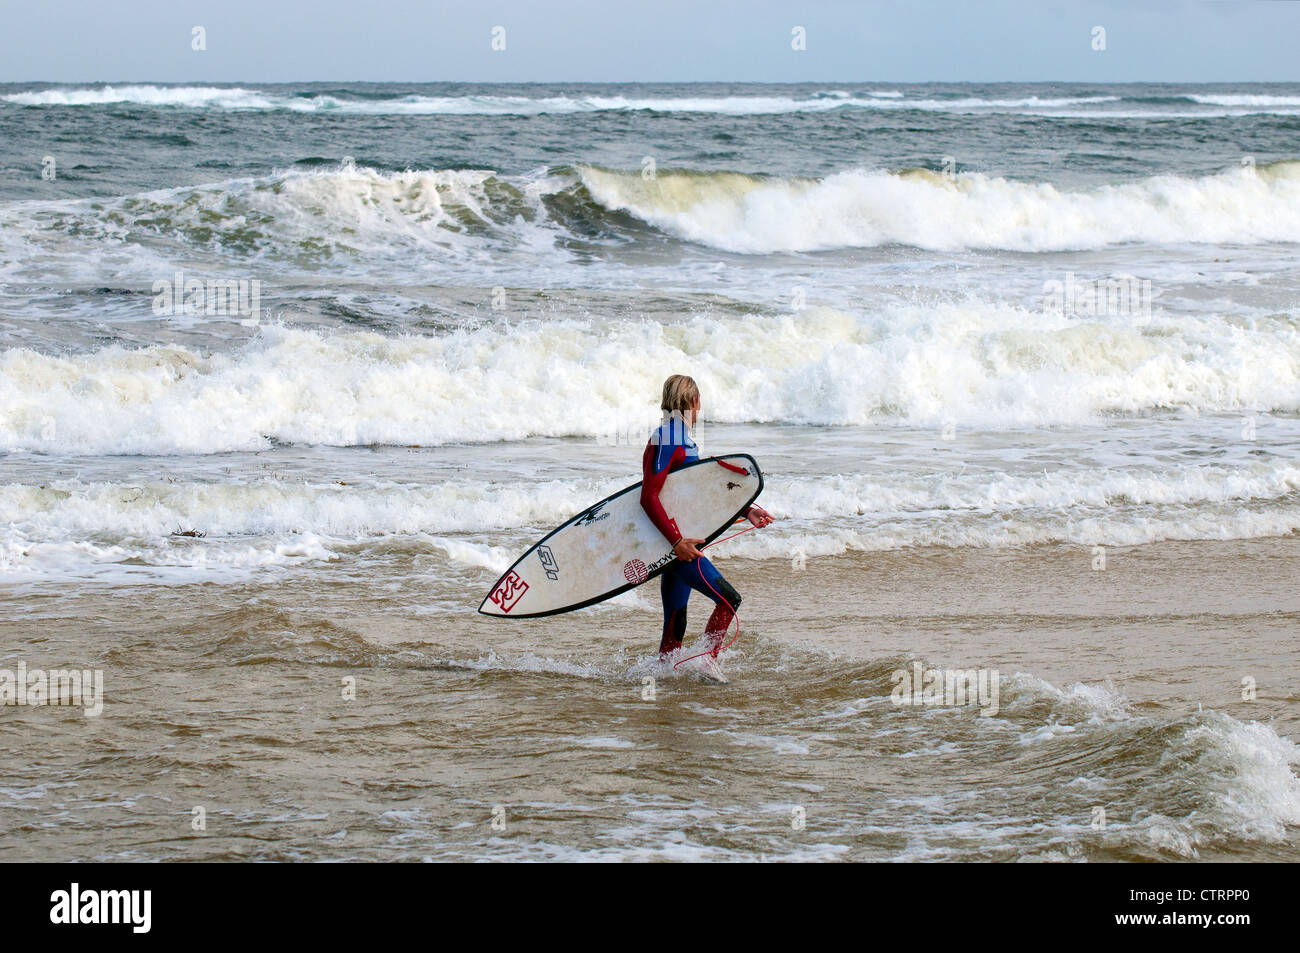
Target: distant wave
(213, 97)
(458, 216)
(369, 102)
(192, 96)
(863, 209)
(308, 218)
(1223, 99)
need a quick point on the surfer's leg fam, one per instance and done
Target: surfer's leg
(675, 591)
(703, 577)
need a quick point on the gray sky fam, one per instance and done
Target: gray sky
(655, 40)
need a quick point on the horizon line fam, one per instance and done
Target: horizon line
(656, 82)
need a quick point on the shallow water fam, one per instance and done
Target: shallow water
(1118, 690)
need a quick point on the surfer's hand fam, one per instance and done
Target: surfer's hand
(684, 549)
(759, 516)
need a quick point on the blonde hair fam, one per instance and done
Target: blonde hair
(680, 394)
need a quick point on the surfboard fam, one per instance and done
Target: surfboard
(612, 546)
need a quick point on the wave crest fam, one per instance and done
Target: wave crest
(925, 209)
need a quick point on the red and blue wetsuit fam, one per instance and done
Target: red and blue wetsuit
(670, 446)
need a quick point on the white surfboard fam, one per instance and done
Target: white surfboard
(612, 546)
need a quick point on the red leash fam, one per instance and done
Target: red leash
(734, 614)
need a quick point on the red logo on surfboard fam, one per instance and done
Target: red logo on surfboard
(634, 571)
(509, 591)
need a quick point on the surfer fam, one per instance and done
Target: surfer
(670, 446)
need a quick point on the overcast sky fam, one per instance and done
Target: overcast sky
(657, 40)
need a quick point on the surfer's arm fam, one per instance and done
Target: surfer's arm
(652, 483)
(758, 516)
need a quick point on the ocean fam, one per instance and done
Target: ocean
(290, 374)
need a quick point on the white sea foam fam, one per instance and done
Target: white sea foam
(405, 222)
(1255, 785)
(414, 104)
(1122, 528)
(863, 209)
(34, 554)
(145, 95)
(972, 363)
(212, 97)
(270, 506)
(1242, 776)
(75, 528)
(1248, 99)
(1005, 492)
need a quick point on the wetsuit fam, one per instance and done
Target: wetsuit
(670, 446)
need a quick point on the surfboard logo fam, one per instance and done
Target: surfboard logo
(509, 591)
(634, 571)
(592, 514)
(548, 562)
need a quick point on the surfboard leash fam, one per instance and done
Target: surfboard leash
(734, 614)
